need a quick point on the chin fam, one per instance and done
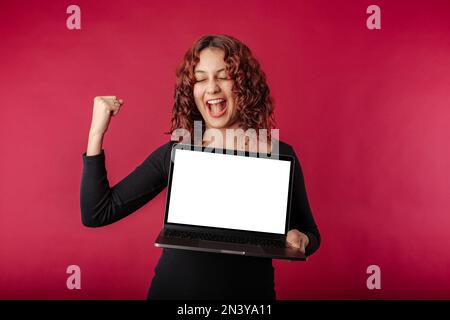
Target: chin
(218, 124)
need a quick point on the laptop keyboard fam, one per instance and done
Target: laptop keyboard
(223, 238)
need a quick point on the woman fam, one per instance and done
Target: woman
(220, 84)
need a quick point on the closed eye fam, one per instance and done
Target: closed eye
(220, 78)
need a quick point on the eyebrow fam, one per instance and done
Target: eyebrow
(201, 71)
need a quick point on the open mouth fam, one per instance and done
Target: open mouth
(216, 107)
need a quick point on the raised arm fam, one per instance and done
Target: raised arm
(101, 204)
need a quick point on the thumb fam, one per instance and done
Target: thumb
(303, 246)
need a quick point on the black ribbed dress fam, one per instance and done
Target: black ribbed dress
(182, 274)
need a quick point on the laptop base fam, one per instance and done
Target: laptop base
(285, 253)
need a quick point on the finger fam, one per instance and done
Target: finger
(113, 107)
(289, 245)
(298, 245)
(121, 101)
(293, 244)
(110, 99)
(303, 245)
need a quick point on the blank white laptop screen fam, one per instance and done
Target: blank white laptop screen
(228, 191)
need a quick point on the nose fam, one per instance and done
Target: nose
(212, 87)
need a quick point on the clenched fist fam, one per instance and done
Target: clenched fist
(104, 108)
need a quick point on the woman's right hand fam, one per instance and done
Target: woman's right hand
(104, 108)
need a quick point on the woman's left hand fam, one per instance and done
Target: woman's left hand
(297, 239)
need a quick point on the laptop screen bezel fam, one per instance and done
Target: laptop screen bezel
(197, 228)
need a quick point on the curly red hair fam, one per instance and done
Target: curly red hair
(250, 90)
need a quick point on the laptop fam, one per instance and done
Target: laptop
(228, 201)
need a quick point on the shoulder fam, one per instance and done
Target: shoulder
(159, 158)
(161, 154)
(167, 147)
(285, 148)
(164, 149)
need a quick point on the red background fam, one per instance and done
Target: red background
(367, 112)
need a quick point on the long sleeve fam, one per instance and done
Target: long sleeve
(301, 215)
(102, 205)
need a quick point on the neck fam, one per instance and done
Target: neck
(241, 141)
(223, 131)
